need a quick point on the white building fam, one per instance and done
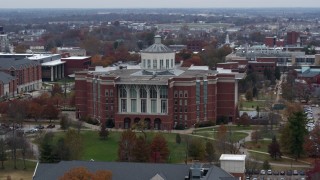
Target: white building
(234, 164)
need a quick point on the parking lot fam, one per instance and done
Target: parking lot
(313, 117)
(275, 175)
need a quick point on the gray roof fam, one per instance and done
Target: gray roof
(157, 47)
(7, 63)
(125, 170)
(5, 78)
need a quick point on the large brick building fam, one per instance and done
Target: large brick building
(159, 93)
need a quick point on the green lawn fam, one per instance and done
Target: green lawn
(232, 128)
(106, 150)
(18, 173)
(252, 104)
(236, 136)
(262, 145)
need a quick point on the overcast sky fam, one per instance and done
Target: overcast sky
(156, 4)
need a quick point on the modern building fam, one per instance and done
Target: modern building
(293, 38)
(72, 51)
(158, 92)
(135, 171)
(76, 63)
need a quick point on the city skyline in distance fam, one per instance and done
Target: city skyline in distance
(160, 4)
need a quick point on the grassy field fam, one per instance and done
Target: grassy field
(236, 136)
(232, 128)
(252, 104)
(106, 150)
(19, 173)
(262, 145)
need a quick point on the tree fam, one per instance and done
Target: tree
(50, 111)
(46, 149)
(197, 149)
(258, 111)
(178, 138)
(35, 110)
(64, 122)
(74, 142)
(249, 95)
(56, 89)
(24, 149)
(221, 137)
(126, 146)
(274, 148)
(20, 48)
(141, 150)
(103, 133)
(255, 136)
(244, 119)
(266, 164)
(82, 173)
(210, 151)
(3, 153)
(61, 150)
(312, 142)
(297, 126)
(159, 148)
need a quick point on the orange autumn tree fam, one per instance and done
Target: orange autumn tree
(82, 173)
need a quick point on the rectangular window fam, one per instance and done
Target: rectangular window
(186, 102)
(181, 94)
(123, 92)
(111, 93)
(143, 105)
(153, 92)
(172, 63)
(176, 102)
(133, 93)
(154, 64)
(153, 106)
(180, 102)
(175, 94)
(163, 93)
(167, 64)
(149, 64)
(161, 64)
(180, 117)
(185, 94)
(107, 108)
(111, 108)
(123, 105)
(144, 63)
(185, 117)
(163, 106)
(175, 109)
(205, 91)
(185, 109)
(143, 93)
(107, 93)
(198, 92)
(107, 101)
(133, 105)
(175, 117)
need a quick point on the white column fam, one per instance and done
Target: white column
(59, 71)
(148, 100)
(52, 78)
(128, 99)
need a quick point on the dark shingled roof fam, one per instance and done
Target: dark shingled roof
(7, 63)
(125, 170)
(5, 78)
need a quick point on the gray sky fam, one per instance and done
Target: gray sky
(155, 4)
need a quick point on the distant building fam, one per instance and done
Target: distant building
(71, 51)
(157, 92)
(8, 85)
(292, 38)
(4, 42)
(274, 42)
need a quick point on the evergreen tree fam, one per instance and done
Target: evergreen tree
(197, 149)
(297, 126)
(46, 149)
(3, 154)
(277, 73)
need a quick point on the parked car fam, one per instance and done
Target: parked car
(295, 172)
(32, 130)
(263, 172)
(282, 173)
(275, 172)
(39, 127)
(301, 173)
(51, 126)
(256, 171)
(289, 173)
(269, 172)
